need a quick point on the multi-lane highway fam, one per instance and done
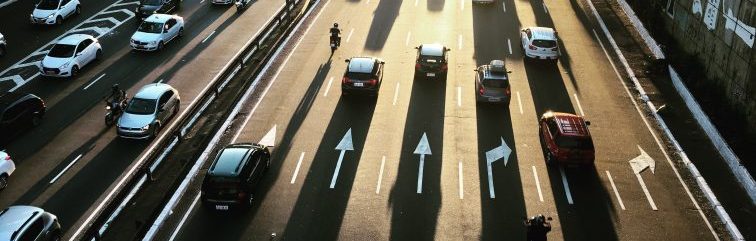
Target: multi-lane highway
(392, 184)
(66, 164)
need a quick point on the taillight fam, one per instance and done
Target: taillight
(373, 81)
(531, 47)
(345, 80)
(7, 157)
(508, 91)
(417, 66)
(481, 90)
(241, 195)
(444, 67)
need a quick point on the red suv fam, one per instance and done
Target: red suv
(566, 139)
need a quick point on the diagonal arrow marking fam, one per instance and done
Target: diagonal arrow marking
(493, 155)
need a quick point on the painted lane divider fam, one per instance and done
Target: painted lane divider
(566, 186)
(328, 87)
(519, 102)
(538, 184)
(461, 187)
(185, 216)
(459, 96)
(65, 169)
(640, 164)
(396, 93)
(349, 37)
(94, 81)
(406, 42)
(208, 37)
(509, 44)
(616, 193)
(493, 155)
(580, 107)
(380, 176)
(296, 169)
(344, 145)
(422, 149)
(459, 42)
(504, 6)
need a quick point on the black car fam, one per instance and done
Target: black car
(234, 175)
(18, 112)
(363, 74)
(148, 7)
(432, 60)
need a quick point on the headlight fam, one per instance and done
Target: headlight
(107, 107)
(65, 65)
(153, 42)
(51, 16)
(147, 127)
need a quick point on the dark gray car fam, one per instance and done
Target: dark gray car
(28, 223)
(148, 7)
(492, 83)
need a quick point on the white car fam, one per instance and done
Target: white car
(69, 55)
(540, 43)
(157, 30)
(54, 11)
(2, 45)
(7, 166)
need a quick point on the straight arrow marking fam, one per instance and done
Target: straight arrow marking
(423, 148)
(420, 175)
(344, 145)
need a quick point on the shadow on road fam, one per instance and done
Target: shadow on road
(384, 17)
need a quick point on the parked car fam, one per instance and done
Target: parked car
(492, 83)
(2, 45)
(18, 112)
(432, 60)
(69, 55)
(157, 30)
(148, 7)
(565, 139)
(234, 176)
(363, 74)
(7, 166)
(148, 111)
(540, 43)
(54, 11)
(22, 223)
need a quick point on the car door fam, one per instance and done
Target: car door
(80, 57)
(524, 38)
(257, 170)
(14, 117)
(88, 53)
(172, 28)
(164, 106)
(66, 8)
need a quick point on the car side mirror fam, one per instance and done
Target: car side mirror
(587, 123)
(417, 47)
(346, 60)
(509, 71)
(383, 62)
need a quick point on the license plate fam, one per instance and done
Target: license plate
(430, 74)
(359, 84)
(494, 99)
(221, 207)
(50, 72)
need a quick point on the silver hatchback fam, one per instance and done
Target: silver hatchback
(28, 223)
(148, 111)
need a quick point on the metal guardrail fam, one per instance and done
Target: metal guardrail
(282, 20)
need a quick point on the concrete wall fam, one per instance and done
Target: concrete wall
(719, 36)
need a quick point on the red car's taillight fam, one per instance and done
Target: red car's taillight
(417, 66)
(532, 47)
(241, 196)
(481, 90)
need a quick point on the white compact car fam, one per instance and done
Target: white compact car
(540, 43)
(54, 11)
(2, 45)
(69, 55)
(157, 30)
(6, 169)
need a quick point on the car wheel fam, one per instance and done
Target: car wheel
(58, 20)
(155, 130)
(56, 236)
(2, 51)
(98, 55)
(78, 9)
(548, 156)
(181, 32)
(36, 119)
(74, 71)
(3, 181)
(160, 45)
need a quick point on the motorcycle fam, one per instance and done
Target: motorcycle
(114, 110)
(537, 227)
(241, 4)
(335, 42)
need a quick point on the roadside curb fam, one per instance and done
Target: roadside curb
(6, 3)
(651, 44)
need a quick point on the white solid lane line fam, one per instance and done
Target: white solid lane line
(645, 191)
(65, 169)
(509, 43)
(406, 42)
(538, 184)
(544, 7)
(461, 187)
(349, 37)
(519, 102)
(396, 93)
(580, 107)
(459, 42)
(94, 81)
(296, 169)
(380, 176)
(328, 87)
(459, 96)
(504, 6)
(184, 217)
(208, 37)
(566, 186)
(616, 193)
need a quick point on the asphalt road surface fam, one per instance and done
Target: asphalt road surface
(68, 162)
(378, 192)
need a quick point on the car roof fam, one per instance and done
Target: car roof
(571, 124)
(231, 160)
(361, 65)
(432, 49)
(495, 70)
(9, 98)
(152, 91)
(13, 219)
(543, 33)
(158, 18)
(74, 39)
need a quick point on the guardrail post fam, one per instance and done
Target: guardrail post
(148, 173)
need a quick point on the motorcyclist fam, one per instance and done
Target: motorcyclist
(117, 96)
(335, 34)
(537, 228)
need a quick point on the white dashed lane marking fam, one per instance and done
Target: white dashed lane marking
(538, 184)
(616, 193)
(380, 176)
(94, 81)
(566, 186)
(328, 87)
(296, 169)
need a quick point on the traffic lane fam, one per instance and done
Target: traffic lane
(24, 38)
(84, 123)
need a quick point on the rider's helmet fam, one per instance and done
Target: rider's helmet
(115, 88)
(539, 219)
(335, 25)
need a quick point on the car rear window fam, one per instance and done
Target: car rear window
(218, 183)
(141, 106)
(62, 51)
(544, 43)
(496, 83)
(359, 76)
(572, 142)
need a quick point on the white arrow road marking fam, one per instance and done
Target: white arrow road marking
(640, 164)
(616, 193)
(349, 37)
(538, 184)
(461, 187)
(566, 186)
(422, 149)
(296, 170)
(497, 153)
(328, 87)
(380, 176)
(270, 138)
(344, 145)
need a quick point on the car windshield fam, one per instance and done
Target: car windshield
(572, 142)
(48, 4)
(151, 27)
(62, 51)
(141, 106)
(359, 76)
(496, 83)
(544, 43)
(151, 2)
